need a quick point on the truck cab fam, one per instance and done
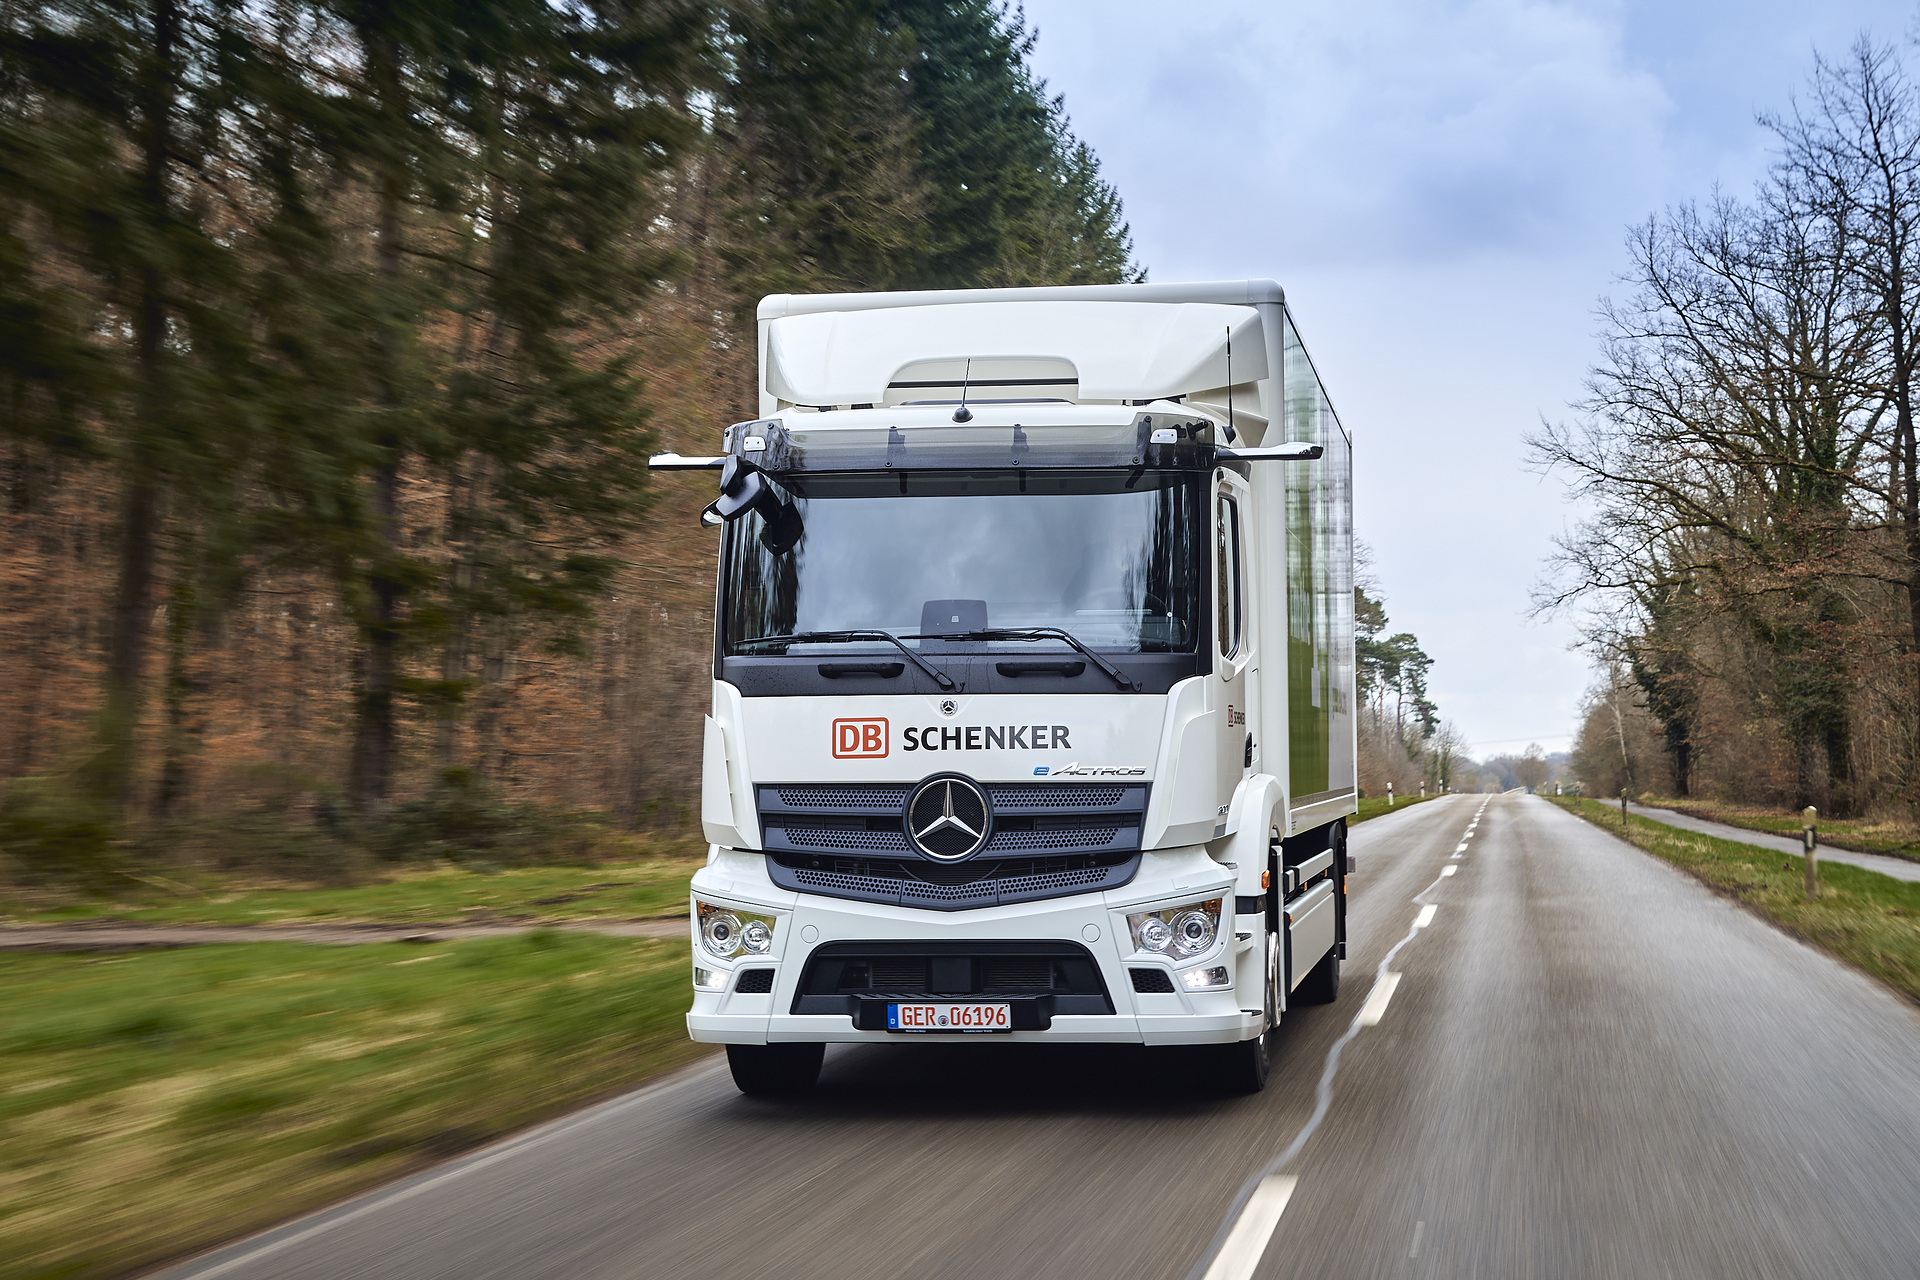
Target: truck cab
(1033, 679)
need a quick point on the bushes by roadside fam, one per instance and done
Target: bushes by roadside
(55, 835)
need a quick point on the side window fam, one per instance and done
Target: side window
(1227, 591)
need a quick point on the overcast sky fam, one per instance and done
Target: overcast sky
(1443, 189)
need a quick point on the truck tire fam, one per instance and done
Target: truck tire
(775, 1070)
(1322, 983)
(1243, 1067)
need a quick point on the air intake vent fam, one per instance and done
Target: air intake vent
(754, 982)
(1152, 981)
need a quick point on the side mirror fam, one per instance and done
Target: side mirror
(743, 488)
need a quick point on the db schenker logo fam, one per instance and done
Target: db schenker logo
(859, 739)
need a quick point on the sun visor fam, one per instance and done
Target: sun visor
(1080, 351)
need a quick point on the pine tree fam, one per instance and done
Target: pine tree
(114, 140)
(821, 150)
(1015, 198)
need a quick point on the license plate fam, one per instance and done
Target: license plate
(949, 1017)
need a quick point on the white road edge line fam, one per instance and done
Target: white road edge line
(1376, 1006)
(1447, 871)
(1427, 912)
(1253, 1230)
(373, 1201)
(1459, 849)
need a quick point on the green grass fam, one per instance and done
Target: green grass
(436, 894)
(160, 1102)
(1867, 919)
(1374, 806)
(1859, 835)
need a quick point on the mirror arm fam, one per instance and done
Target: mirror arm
(674, 462)
(1292, 451)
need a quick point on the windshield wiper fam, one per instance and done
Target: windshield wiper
(1050, 633)
(940, 677)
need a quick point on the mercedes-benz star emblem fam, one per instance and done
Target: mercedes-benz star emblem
(949, 707)
(948, 818)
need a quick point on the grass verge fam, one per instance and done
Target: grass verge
(1869, 920)
(442, 893)
(1374, 806)
(1859, 836)
(157, 1103)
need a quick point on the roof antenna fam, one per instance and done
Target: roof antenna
(964, 414)
(1231, 434)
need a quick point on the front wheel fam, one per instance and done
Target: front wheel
(1244, 1066)
(775, 1070)
(1322, 983)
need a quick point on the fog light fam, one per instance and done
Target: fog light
(1200, 979)
(710, 979)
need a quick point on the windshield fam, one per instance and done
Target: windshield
(1087, 552)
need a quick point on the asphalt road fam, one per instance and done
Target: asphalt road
(1590, 1066)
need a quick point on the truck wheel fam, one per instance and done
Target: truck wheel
(1322, 983)
(775, 1070)
(1244, 1066)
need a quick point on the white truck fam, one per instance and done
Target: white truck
(1033, 679)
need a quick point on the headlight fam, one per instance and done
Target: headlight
(709, 979)
(1182, 931)
(726, 933)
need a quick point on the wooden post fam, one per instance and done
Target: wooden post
(1810, 837)
(1623, 806)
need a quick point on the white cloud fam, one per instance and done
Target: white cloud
(1443, 187)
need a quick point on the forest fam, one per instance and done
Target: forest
(334, 335)
(1749, 580)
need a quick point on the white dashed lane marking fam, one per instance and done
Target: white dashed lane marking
(1376, 1006)
(1253, 1229)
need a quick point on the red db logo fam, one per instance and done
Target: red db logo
(856, 739)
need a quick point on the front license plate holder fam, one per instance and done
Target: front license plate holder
(936, 1017)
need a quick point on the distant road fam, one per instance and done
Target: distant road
(1590, 1066)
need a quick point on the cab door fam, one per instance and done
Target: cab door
(1233, 632)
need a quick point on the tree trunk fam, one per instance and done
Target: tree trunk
(127, 643)
(371, 783)
(182, 612)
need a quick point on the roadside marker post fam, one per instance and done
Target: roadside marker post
(1389, 795)
(1810, 836)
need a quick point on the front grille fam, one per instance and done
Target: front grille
(1017, 973)
(896, 974)
(1070, 838)
(1020, 796)
(884, 795)
(754, 982)
(980, 882)
(1049, 839)
(835, 838)
(1040, 978)
(1151, 981)
(891, 797)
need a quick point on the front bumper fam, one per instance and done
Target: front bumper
(1095, 921)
